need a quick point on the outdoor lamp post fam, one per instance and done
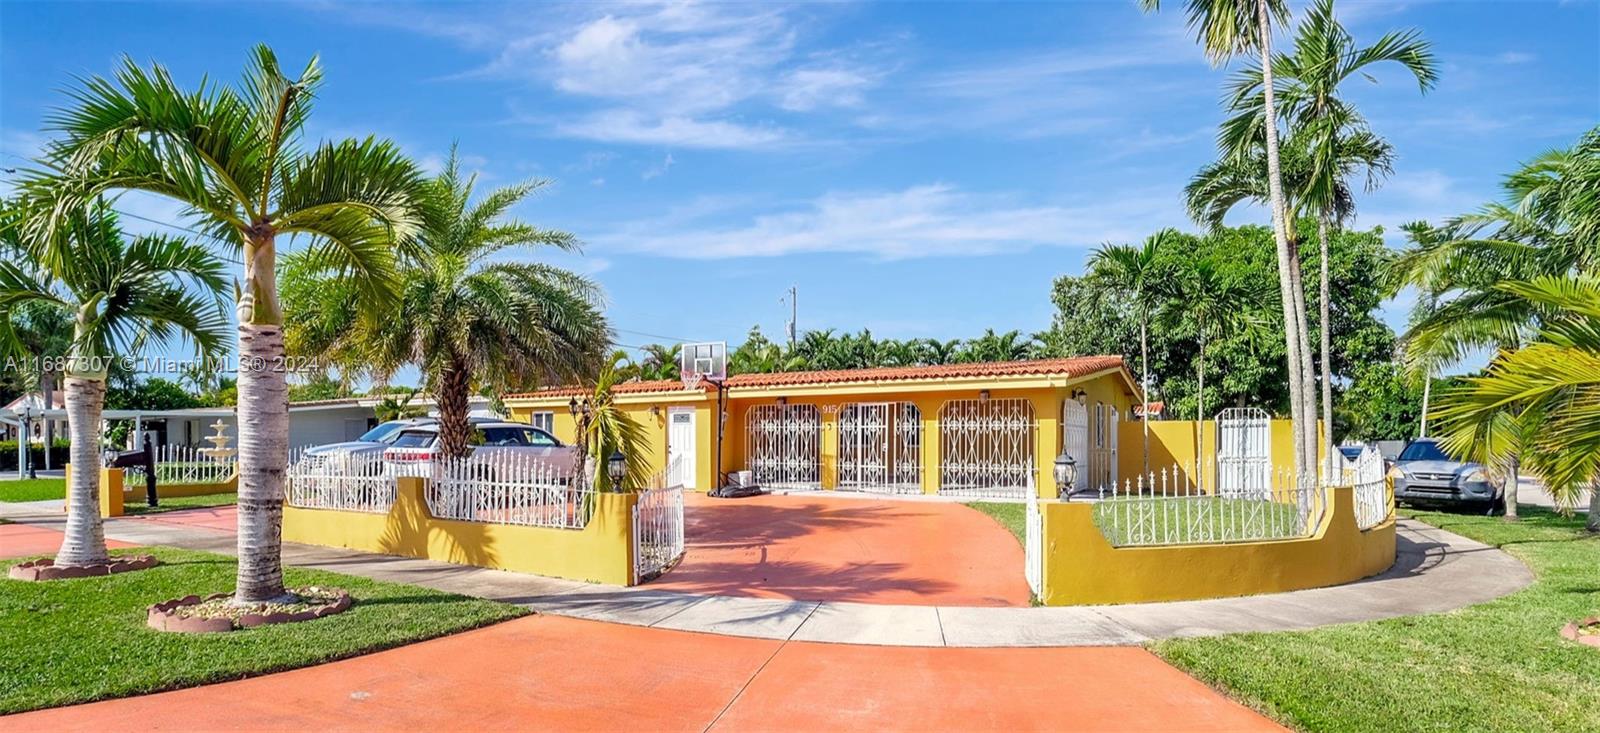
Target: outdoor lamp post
(1066, 475)
(617, 469)
(572, 406)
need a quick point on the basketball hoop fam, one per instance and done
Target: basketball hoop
(701, 361)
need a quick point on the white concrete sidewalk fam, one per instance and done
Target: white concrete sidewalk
(1435, 571)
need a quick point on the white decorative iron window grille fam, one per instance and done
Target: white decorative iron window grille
(986, 448)
(1244, 451)
(880, 447)
(783, 446)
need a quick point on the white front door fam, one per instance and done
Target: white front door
(680, 447)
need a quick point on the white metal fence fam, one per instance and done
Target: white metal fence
(658, 525)
(183, 464)
(352, 483)
(508, 488)
(1033, 543)
(1374, 503)
(1169, 508)
(1244, 450)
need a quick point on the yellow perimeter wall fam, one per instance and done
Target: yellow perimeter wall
(1082, 568)
(1172, 444)
(1110, 388)
(599, 553)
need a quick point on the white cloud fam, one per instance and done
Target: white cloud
(921, 221)
(807, 89)
(659, 169)
(628, 126)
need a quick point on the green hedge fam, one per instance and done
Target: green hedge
(8, 455)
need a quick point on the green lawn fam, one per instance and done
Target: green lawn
(70, 641)
(179, 502)
(1498, 666)
(1011, 515)
(35, 489)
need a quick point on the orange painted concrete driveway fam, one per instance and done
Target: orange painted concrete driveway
(21, 540)
(548, 672)
(822, 548)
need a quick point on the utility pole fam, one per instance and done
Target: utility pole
(794, 313)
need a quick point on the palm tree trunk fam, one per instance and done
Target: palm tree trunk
(1144, 383)
(1326, 329)
(1513, 468)
(85, 540)
(1287, 283)
(1427, 391)
(1199, 410)
(263, 427)
(454, 427)
(1308, 370)
(1593, 525)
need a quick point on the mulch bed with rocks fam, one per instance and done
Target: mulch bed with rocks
(1586, 631)
(217, 612)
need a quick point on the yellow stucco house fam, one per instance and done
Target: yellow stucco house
(967, 430)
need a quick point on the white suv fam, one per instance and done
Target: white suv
(413, 451)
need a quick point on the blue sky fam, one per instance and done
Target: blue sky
(916, 169)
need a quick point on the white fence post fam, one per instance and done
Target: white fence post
(1033, 542)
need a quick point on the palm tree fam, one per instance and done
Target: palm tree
(1324, 56)
(1220, 306)
(121, 296)
(604, 429)
(464, 319)
(934, 351)
(1541, 401)
(1133, 269)
(237, 159)
(1548, 227)
(661, 362)
(1228, 28)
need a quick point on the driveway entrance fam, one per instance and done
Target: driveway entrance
(817, 547)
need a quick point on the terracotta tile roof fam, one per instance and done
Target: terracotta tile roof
(1076, 366)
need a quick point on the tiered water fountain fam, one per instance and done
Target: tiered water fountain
(219, 452)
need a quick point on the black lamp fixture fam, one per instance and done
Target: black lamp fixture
(783, 401)
(655, 411)
(1066, 475)
(983, 394)
(617, 468)
(572, 405)
(1081, 396)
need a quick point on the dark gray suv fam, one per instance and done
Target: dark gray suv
(1425, 474)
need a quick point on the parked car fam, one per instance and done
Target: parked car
(1425, 474)
(371, 443)
(415, 448)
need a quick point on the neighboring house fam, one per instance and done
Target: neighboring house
(31, 407)
(1150, 411)
(979, 430)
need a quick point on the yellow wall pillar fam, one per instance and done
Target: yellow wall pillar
(828, 470)
(1047, 440)
(110, 491)
(931, 475)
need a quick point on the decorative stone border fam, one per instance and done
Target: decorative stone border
(164, 617)
(46, 569)
(1570, 632)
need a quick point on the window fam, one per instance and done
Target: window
(540, 438)
(414, 439)
(1099, 425)
(1423, 450)
(545, 421)
(383, 433)
(503, 436)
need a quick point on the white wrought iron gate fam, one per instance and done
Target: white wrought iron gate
(986, 448)
(1244, 452)
(1075, 438)
(880, 447)
(783, 446)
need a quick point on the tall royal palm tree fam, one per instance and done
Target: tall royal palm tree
(1324, 56)
(1228, 28)
(237, 158)
(1541, 401)
(1133, 269)
(122, 295)
(464, 317)
(1220, 307)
